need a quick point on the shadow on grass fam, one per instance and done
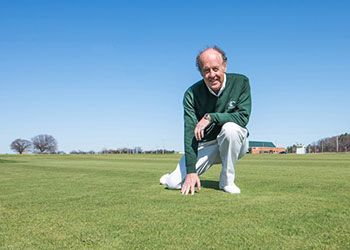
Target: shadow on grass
(205, 184)
(210, 184)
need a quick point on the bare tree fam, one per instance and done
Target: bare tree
(338, 143)
(20, 145)
(45, 144)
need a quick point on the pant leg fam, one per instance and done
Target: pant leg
(233, 145)
(208, 154)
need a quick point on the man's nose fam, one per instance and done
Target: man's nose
(211, 73)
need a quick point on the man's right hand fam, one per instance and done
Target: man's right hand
(189, 184)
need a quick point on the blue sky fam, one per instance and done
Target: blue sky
(109, 74)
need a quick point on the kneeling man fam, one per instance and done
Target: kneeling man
(216, 113)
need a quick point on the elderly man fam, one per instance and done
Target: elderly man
(216, 112)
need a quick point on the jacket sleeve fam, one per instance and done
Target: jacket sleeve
(240, 114)
(190, 121)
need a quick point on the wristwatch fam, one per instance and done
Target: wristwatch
(207, 117)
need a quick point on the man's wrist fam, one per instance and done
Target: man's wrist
(191, 170)
(207, 117)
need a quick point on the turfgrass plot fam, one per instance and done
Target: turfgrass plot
(115, 201)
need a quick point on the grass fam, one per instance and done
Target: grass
(115, 202)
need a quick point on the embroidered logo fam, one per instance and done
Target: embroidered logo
(231, 104)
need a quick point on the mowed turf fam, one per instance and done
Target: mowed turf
(116, 202)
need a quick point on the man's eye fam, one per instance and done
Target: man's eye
(215, 69)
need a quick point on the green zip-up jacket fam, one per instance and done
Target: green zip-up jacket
(233, 105)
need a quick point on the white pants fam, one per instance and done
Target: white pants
(230, 145)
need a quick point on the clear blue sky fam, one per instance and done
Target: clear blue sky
(108, 74)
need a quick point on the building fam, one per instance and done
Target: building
(264, 147)
(301, 150)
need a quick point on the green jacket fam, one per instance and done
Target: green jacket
(233, 105)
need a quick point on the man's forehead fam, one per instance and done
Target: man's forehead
(211, 54)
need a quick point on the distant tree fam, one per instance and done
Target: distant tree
(292, 149)
(344, 142)
(80, 152)
(338, 143)
(44, 144)
(20, 145)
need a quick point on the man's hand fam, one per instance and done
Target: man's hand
(199, 130)
(189, 184)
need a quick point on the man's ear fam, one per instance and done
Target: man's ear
(225, 66)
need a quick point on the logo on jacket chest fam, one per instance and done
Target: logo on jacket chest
(231, 105)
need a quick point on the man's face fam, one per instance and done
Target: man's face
(213, 69)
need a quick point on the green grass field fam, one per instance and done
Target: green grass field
(116, 202)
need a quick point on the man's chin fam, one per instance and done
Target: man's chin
(216, 87)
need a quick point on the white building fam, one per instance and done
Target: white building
(301, 150)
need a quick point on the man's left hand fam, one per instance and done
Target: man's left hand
(199, 130)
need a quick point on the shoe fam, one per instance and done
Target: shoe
(163, 179)
(232, 189)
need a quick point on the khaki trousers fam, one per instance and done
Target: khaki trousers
(230, 145)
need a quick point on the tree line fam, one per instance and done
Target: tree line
(338, 143)
(136, 150)
(47, 144)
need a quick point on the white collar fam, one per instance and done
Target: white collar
(221, 90)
